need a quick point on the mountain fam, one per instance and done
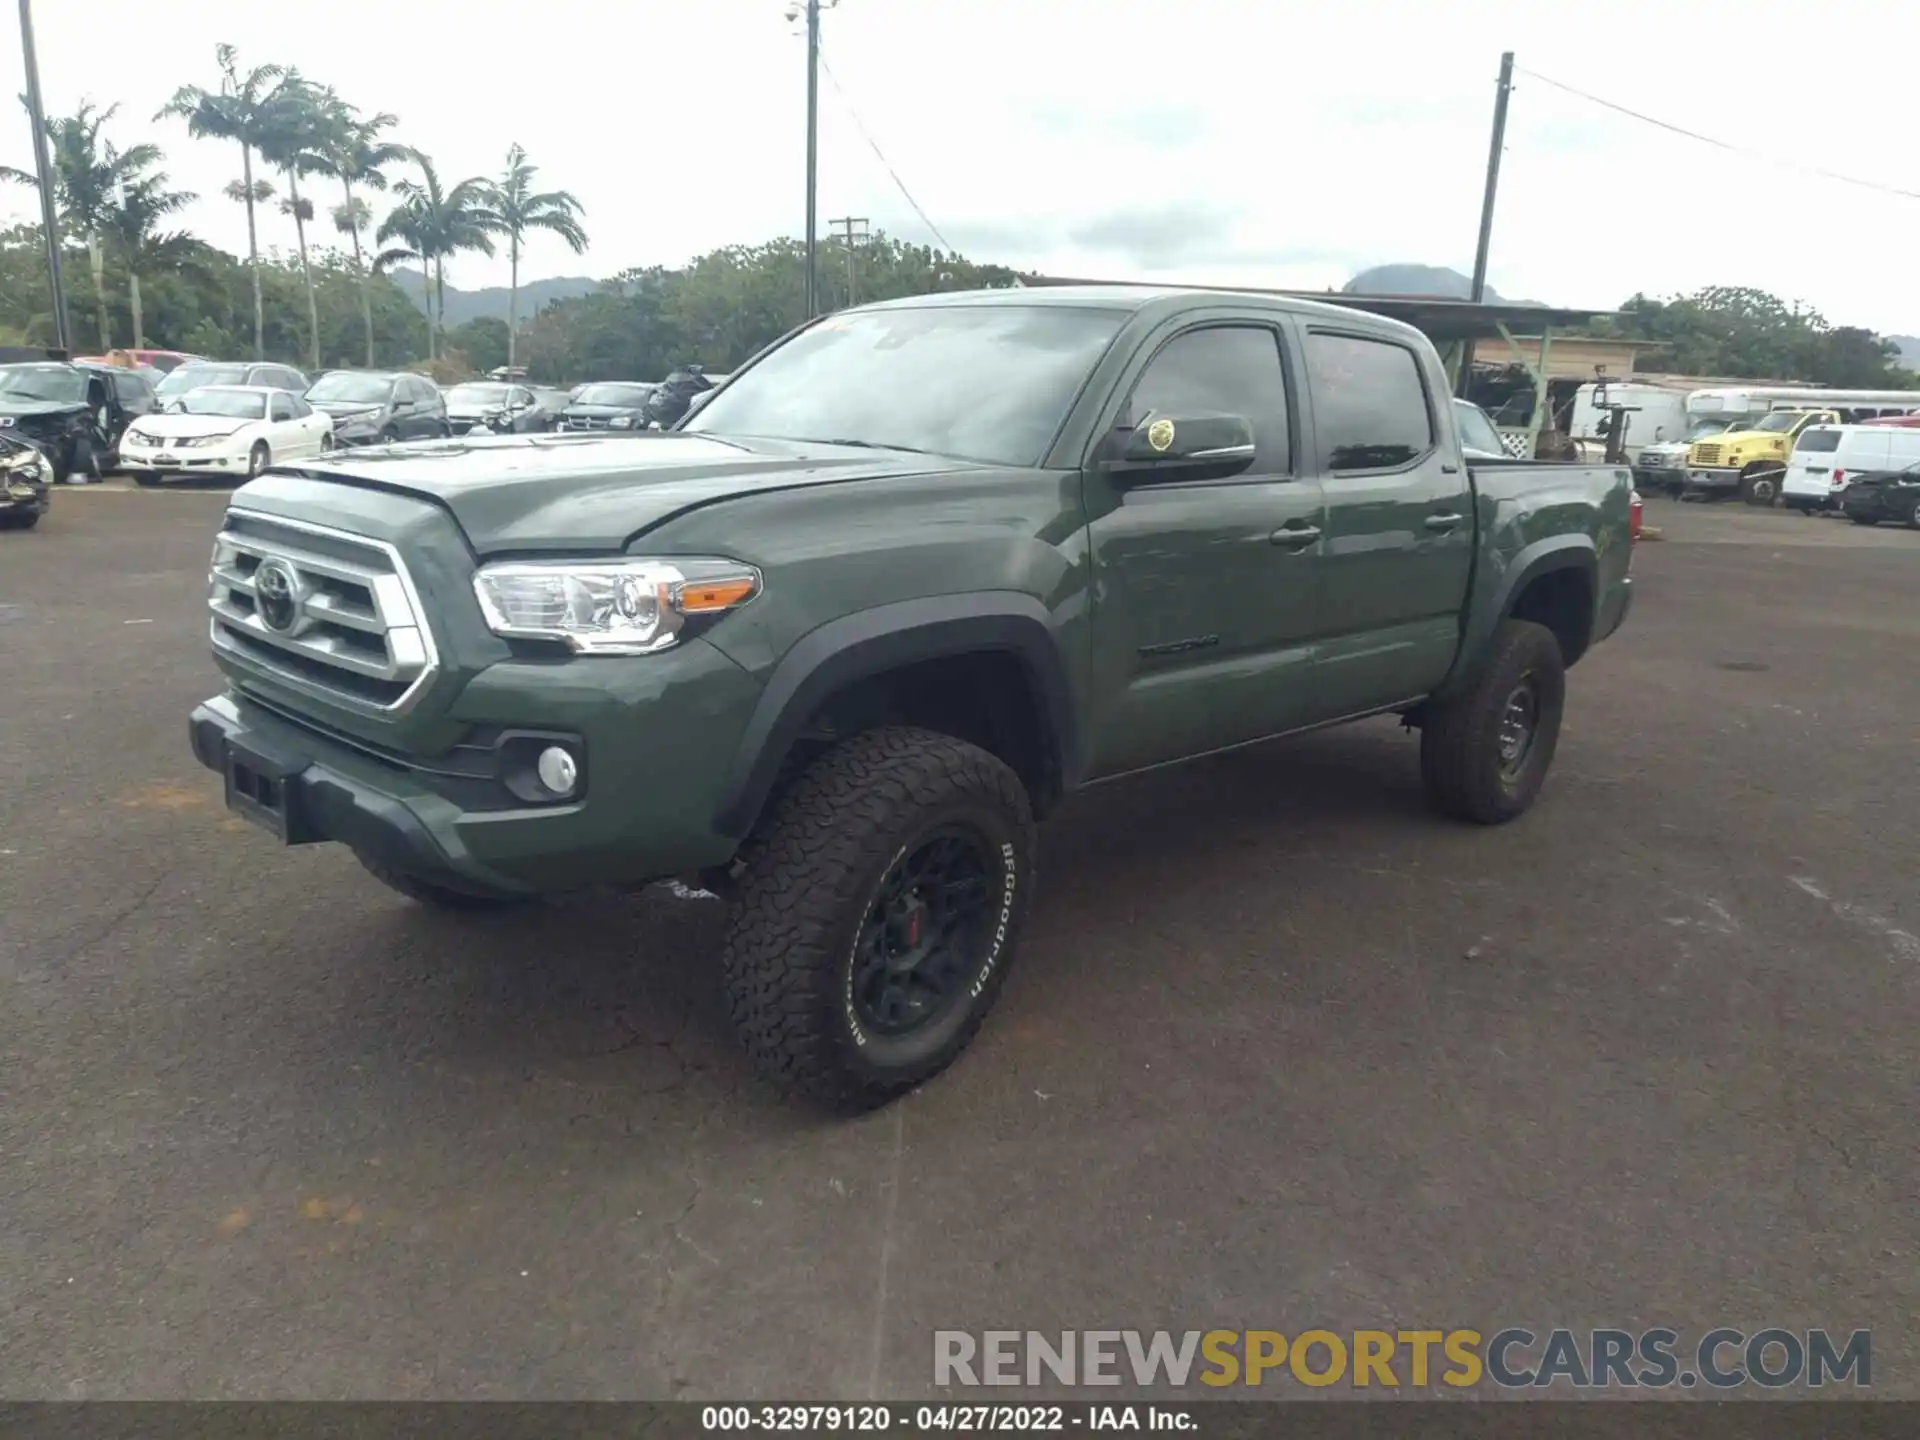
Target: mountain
(491, 301)
(1415, 280)
(1909, 350)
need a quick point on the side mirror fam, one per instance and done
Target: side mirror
(1189, 442)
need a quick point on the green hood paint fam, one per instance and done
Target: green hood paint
(592, 494)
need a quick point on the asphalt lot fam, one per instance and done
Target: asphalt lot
(1281, 1050)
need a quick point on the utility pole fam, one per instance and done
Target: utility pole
(848, 236)
(1479, 291)
(811, 9)
(43, 171)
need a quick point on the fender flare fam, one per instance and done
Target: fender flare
(870, 642)
(1542, 557)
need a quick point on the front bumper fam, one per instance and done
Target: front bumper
(306, 791)
(1718, 478)
(185, 460)
(1659, 477)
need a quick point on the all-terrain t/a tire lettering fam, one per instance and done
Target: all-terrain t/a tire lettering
(1485, 752)
(818, 873)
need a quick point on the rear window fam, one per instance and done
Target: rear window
(1819, 440)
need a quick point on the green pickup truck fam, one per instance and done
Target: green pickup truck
(914, 575)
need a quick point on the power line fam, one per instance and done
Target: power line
(879, 155)
(1718, 144)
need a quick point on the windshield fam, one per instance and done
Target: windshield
(1701, 429)
(1476, 430)
(1781, 421)
(977, 382)
(613, 395)
(43, 382)
(477, 395)
(217, 400)
(192, 377)
(345, 385)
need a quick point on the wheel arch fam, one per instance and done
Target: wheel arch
(848, 655)
(1555, 581)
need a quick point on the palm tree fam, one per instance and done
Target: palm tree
(353, 153)
(297, 124)
(432, 222)
(241, 112)
(514, 209)
(88, 174)
(134, 225)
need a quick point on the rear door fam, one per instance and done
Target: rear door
(1400, 530)
(1205, 587)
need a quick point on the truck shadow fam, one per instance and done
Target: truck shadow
(625, 990)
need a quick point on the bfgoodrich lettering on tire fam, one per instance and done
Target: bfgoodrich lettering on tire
(1484, 753)
(876, 914)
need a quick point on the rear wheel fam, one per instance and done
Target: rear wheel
(1913, 517)
(876, 913)
(1484, 753)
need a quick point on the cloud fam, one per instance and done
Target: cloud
(1157, 235)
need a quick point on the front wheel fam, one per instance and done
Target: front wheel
(1913, 518)
(876, 914)
(258, 458)
(1484, 753)
(1760, 485)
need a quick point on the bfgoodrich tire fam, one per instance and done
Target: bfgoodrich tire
(437, 897)
(876, 914)
(1484, 753)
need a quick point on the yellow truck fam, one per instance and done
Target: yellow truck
(1752, 459)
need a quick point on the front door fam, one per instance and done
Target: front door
(1400, 525)
(1204, 588)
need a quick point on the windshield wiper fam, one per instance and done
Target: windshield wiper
(869, 445)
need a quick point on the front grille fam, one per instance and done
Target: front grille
(586, 422)
(1706, 454)
(348, 626)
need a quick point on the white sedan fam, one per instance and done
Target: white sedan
(235, 430)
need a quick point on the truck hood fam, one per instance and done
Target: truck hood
(16, 409)
(588, 494)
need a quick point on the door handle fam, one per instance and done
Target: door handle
(1442, 522)
(1295, 535)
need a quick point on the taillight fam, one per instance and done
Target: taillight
(1839, 479)
(1634, 517)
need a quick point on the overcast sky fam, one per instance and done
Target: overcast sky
(1205, 140)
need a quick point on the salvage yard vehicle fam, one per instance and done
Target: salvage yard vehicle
(1884, 495)
(918, 573)
(233, 430)
(24, 475)
(490, 406)
(75, 413)
(193, 375)
(609, 405)
(378, 407)
(1828, 457)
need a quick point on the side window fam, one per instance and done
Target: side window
(299, 407)
(523, 397)
(1370, 404)
(1223, 369)
(133, 389)
(425, 394)
(280, 406)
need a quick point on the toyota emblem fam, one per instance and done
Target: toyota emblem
(276, 595)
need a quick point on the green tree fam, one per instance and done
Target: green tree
(431, 223)
(1737, 331)
(353, 153)
(134, 225)
(514, 209)
(484, 341)
(298, 132)
(240, 111)
(89, 177)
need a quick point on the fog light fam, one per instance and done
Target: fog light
(556, 770)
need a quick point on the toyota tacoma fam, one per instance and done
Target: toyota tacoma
(918, 573)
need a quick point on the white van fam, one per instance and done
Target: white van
(1826, 455)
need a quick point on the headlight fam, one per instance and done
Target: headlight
(609, 607)
(621, 422)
